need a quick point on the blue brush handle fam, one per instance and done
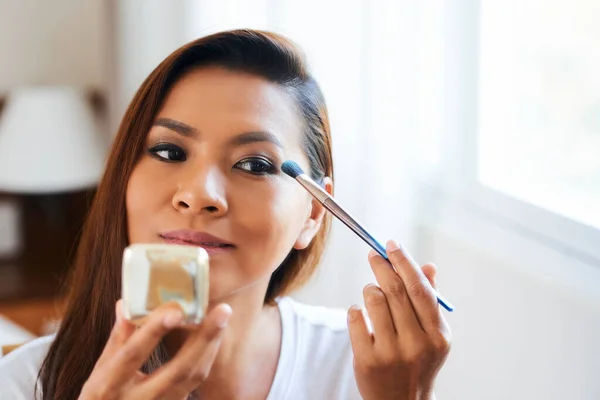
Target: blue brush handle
(357, 228)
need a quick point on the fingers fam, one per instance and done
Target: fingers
(384, 331)
(360, 337)
(136, 350)
(192, 364)
(404, 308)
(420, 292)
(125, 327)
(401, 309)
(430, 271)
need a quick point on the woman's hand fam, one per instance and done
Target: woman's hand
(410, 340)
(116, 374)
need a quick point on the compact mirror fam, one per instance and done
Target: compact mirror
(155, 274)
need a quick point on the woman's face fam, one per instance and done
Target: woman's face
(210, 176)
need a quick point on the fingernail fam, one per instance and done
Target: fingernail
(222, 318)
(392, 245)
(353, 314)
(173, 319)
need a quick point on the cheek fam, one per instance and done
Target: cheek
(274, 218)
(142, 201)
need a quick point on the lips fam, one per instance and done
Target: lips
(212, 244)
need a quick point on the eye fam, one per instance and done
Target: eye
(256, 166)
(168, 152)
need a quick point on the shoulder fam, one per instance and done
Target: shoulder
(315, 317)
(317, 330)
(19, 369)
(322, 350)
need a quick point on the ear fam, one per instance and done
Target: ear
(314, 219)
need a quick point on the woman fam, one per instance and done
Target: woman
(196, 161)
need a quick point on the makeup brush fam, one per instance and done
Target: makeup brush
(292, 169)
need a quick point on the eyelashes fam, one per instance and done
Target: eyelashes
(167, 152)
(171, 153)
(256, 166)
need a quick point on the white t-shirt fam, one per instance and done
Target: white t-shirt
(315, 361)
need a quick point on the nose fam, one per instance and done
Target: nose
(201, 192)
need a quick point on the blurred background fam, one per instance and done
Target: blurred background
(467, 130)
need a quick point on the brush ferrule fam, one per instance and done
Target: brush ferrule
(310, 185)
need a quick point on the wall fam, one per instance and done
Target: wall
(526, 324)
(58, 41)
(143, 33)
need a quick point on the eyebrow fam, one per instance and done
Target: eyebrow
(240, 140)
(179, 127)
(254, 137)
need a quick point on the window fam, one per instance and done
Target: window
(509, 121)
(539, 104)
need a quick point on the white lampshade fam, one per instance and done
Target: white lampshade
(49, 141)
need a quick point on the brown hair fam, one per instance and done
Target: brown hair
(95, 285)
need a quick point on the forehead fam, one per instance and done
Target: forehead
(215, 100)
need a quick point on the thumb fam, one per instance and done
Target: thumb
(430, 271)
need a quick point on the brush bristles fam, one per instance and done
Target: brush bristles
(291, 168)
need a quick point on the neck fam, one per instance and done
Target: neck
(247, 359)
